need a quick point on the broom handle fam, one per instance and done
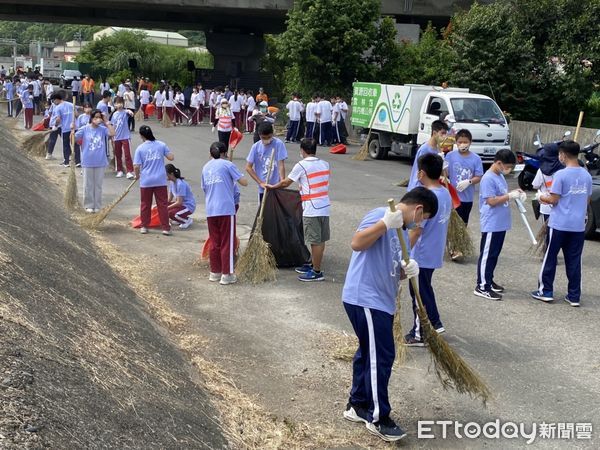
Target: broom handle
(262, 203)
(522, 211)
(72, 135)
(406, 258)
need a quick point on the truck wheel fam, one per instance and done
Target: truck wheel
(525, 181)
(376, 151)
(590, 224)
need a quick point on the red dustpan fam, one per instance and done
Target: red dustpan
(154, 220)
(235, 138)
(339, 149)
(453, 194)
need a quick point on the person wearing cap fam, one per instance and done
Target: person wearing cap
(224, 122)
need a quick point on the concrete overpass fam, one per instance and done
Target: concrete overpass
(234, 28)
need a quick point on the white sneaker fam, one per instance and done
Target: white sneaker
(187, 224)
(96, 210)
(49, 156)
(144, 230)
(119, 174)
(228, 279)
(89, 210)
(214, 277)
(130, 175)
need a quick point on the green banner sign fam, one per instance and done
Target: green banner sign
(364, 100)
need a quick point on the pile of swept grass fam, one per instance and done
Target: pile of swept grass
(245, 423)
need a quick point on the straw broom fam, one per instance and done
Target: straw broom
(458, 239)
(539, 249)
(139, 115)
(397, 325)
(71, 201)
(450, 368)
(363, 153)
(257, 264)
(92, 221)
(166, 120)
(36, 143)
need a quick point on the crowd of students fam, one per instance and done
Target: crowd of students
(376, 265)
(423, 214)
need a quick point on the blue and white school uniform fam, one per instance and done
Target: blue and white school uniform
(566, 230)
(495, 221)
(464, 167)
(429, 253)
(369, 298)
(413, 181)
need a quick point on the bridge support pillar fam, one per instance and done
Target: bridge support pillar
(235, 53)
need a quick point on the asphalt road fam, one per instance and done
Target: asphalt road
(540, 360)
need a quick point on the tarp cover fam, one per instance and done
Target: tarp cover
(282, 227)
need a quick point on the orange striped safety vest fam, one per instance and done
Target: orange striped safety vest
(225, 120)
(316, 191)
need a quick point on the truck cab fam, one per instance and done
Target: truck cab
(477, 113)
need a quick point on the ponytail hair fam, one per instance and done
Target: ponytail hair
(146, 132)
(172, 170)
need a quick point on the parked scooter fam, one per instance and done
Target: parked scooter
(592, 160)
(531, 163)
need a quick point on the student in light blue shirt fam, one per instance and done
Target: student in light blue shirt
(149, 168)
(465, 170)
(369, 298)
(66, 120)
(10, 95)
(495, 221)
(181, 199)
(259, 158)
(81, 121)
(439, 131)
(569, 196)
(219, 176)
(93, 158)
(429, 244)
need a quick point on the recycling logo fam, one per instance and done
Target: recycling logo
(397, 102)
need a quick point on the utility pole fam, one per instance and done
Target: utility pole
(78, 37)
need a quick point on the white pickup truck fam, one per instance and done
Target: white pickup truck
(399, 117)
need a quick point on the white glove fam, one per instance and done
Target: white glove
(393, 219)
(523, 197)
(514, 194)
(212, 130)
(462, 185)
(411, 269)
(538, 195)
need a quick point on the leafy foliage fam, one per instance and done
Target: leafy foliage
(323, 48)
(111, 54)
(24, 32)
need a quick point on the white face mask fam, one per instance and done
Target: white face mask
(463, 148)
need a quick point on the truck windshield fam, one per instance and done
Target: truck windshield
(477, 110)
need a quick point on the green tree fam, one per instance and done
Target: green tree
(531, 54)
(111, 54)
(325, 42)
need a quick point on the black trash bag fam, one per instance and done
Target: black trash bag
(282, 227)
